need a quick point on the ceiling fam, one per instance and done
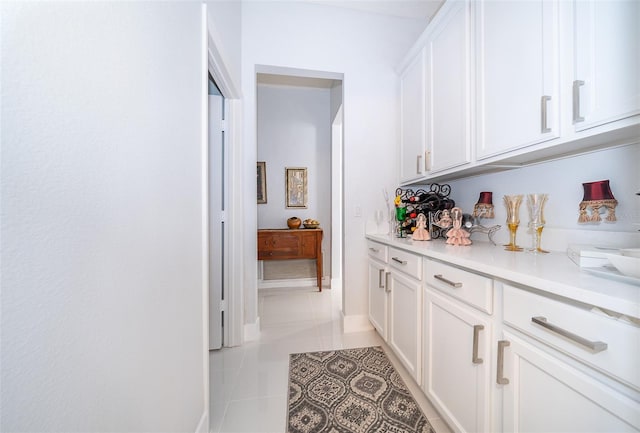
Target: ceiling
(412, 9)
(416, 9)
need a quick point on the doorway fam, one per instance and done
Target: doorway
(299, 124)
(218, 229)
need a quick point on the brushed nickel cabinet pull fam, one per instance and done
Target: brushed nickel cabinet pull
(449, 282)
(418, 164)
(380, 275)
(544, 128)
(395, 259)
(387, 286)
(500, 379)
(576, 101)
(427, 160)
(374, 250)
(476, 334)
(596, 346)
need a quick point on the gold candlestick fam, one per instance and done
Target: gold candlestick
(513, 202)
(535, 206)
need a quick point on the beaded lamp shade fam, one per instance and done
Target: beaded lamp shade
(597, 195)
(484, 207)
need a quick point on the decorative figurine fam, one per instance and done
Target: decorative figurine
(445, 220)
(457, 235)
(472, 224)
(421, 233)
(597, 195)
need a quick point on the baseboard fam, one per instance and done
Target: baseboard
(203, 426)
(289, 282)
(336, 283)
(252, 330)
(356, 323)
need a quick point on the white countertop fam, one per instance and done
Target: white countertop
(553, 273)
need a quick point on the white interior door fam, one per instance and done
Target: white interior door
(217, 230)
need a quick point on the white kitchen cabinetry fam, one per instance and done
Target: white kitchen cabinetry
(413, 119)
(493, 84)
(448, 80)
(457, 346)
(606, 84)
(378, 297)
(547, 376)
(545, 394)
(456, 364)
(517, 74)
(405, 297)
(497, 350)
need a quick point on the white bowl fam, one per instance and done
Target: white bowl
(629, 266)
(630, 252)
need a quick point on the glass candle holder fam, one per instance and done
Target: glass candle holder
(535, 206)
(512, 203)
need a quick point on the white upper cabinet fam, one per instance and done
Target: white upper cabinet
(517, 74)
(448, 79)
(606, 84)
(412, 124)
(513, 82)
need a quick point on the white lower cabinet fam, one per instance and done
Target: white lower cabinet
(546, 394)
(377, 285)
(564, 367)
(378, 305)
(497, 357)
(405, 307)
(457, 360)
(404, 334)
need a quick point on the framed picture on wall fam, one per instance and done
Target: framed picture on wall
(262, 182)
(295, 187)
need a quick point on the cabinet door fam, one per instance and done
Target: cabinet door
(517, 74)
(456, 365)
(308, 245)
(448, 94)
(404, 335)
(545, 394)
(607, 61)
(378, 306)
(412, 120)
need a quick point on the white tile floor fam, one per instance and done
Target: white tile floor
(249, 383)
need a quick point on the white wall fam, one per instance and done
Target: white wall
(366, 48)
(336, 99)
(294, 130)
(224, 18)
(102, 279)
(562, 180)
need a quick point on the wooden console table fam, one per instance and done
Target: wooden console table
(287, 244)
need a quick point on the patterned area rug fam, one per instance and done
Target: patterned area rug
(350, 391)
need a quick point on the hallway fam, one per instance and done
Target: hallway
(249, 383)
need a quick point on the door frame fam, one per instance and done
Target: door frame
(216, 66)
(213, 62)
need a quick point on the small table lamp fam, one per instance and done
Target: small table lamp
(597, 195)
(484, 207)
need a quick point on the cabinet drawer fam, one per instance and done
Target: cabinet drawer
(409, 263)
(378, 251)
(466, 286)
(605, 343)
